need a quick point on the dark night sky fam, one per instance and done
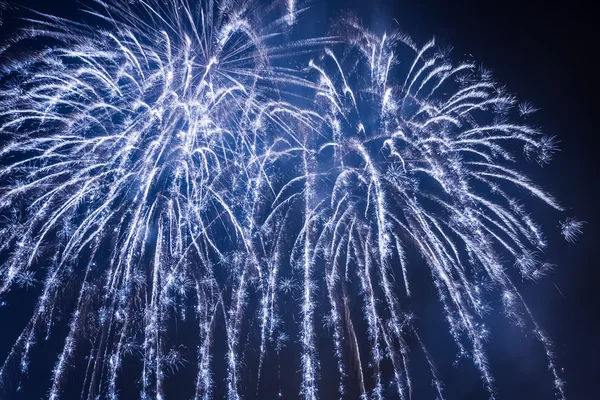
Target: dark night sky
(543, 53)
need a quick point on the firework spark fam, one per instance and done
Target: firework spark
(168, 159)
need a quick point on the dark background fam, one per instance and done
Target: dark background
(543, 53)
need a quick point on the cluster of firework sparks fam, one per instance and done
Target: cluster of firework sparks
(172, 162)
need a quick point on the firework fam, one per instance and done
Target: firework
(171, 162)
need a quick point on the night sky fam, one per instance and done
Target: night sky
(543, 54)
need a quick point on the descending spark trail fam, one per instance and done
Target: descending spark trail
(174, 160)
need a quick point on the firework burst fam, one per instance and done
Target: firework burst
(167, 163)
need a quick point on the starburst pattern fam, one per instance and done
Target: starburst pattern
(176, 165)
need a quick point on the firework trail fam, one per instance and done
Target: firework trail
(167, 163)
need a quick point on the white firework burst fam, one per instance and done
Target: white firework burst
(170, 162)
